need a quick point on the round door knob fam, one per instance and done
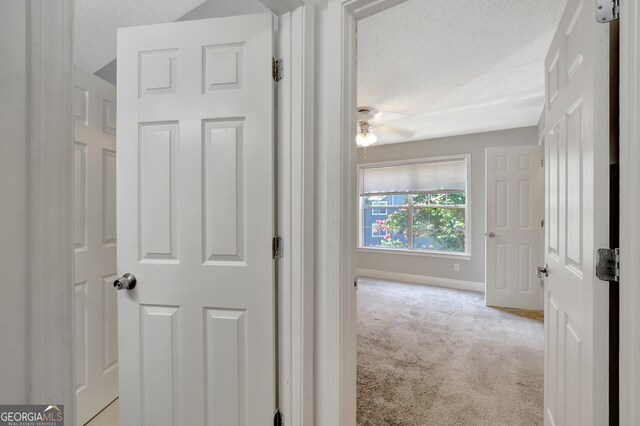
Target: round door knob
(125, 282)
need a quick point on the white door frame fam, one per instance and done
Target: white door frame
(336, 208)
(295, 215)
(49, 184)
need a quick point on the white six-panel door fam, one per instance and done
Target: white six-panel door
(96, 318)
(195, 222)
(577, 218)
(514, 212)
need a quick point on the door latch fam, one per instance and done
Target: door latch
(277, 247)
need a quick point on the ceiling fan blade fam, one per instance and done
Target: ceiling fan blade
(394, 131)
(386, 116)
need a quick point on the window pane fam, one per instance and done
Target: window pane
(452, 242)
(455, 199)
(437, 229)
(387, 230)
(439, 199)
(385, 200)
(422, 199)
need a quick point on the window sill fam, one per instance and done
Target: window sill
(459, 256)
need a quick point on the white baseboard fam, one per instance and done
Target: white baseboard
(421, 279)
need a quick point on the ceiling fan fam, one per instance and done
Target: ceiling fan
(372, 122)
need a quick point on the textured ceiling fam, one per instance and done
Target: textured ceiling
(457, 66)
(96, 24)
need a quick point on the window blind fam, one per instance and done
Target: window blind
(448, 175)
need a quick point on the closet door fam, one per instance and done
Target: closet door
(196, 222)
(96, 315)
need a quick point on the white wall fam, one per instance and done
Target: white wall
(13, 208)
(470, 270)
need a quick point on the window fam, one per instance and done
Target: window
(425, 206)
(378, 230)
(379, 212)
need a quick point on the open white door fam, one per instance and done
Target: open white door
(577, 218)
(96, 318)
(195, 222)
(514, 212)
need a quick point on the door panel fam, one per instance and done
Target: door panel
(514, 235)
(195, 222)
(95, 245)
(577, 215)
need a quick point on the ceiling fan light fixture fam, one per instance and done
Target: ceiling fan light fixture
(364, 138)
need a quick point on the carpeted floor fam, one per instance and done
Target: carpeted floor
(434, 356)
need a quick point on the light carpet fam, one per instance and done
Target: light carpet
(435, 356)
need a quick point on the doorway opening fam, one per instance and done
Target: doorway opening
(450, 216)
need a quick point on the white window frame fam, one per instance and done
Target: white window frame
(411, 251)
